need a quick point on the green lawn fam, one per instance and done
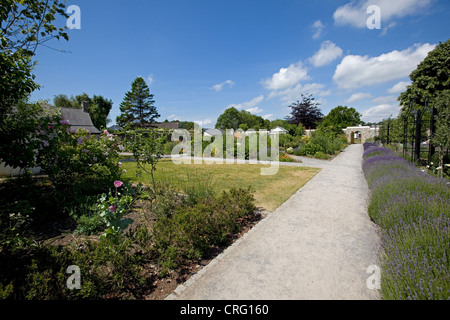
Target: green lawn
(270, 191)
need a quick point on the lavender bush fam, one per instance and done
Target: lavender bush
(412, 209)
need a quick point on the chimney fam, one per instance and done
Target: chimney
(85, 106)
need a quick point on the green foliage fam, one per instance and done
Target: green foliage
(320, 145)
(235, 119)
(89, 163)
(429, 79)
(19, 144)
(189, 231)
(442, 135)
(321, 155)
(24, 26)
(112, 208)
(339, 118)
(137, 108)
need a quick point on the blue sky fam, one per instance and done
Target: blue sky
(201, 57)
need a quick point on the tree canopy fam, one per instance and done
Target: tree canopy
(305, 112)
(430, 79)
(235, 119)
(137, 108)
(340, 118)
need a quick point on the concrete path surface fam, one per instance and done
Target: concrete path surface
(317, 245)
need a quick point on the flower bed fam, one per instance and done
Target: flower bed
(412, 209)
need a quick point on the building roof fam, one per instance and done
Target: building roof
(78, 118)
(278, 129)
(213, 132)
(165, 125)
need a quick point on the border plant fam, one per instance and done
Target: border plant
(412, 209)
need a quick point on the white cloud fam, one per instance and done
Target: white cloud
(380, 112)
(388, 27)
(287, 77)
(399, 87)
(249, 104)
(355, 12)
(358, 96)
(203, 122)
(219, 87)
(385, 99)
(254, 110)
(172, 117)
(269, 116)
(357, 71)
(150, 79)
(293, 94)
(317, 27)
(327, 53)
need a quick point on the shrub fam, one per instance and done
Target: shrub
(322, 144)
(321, 155)
(412, 210)
(190, 231)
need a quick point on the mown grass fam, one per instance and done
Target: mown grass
(412, 209)
(270, 191)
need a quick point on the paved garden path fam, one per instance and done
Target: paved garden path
(317, 245)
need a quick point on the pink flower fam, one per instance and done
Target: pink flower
(118, 184)
(80, 140)
(112, 208)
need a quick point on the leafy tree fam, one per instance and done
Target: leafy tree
(431, 77)
(230, 119)
(137, 108)
(62, 100)
(251, 121)
(24, 25)
(340, 118)
(235, 119)
(99, 111)
(305, 112)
